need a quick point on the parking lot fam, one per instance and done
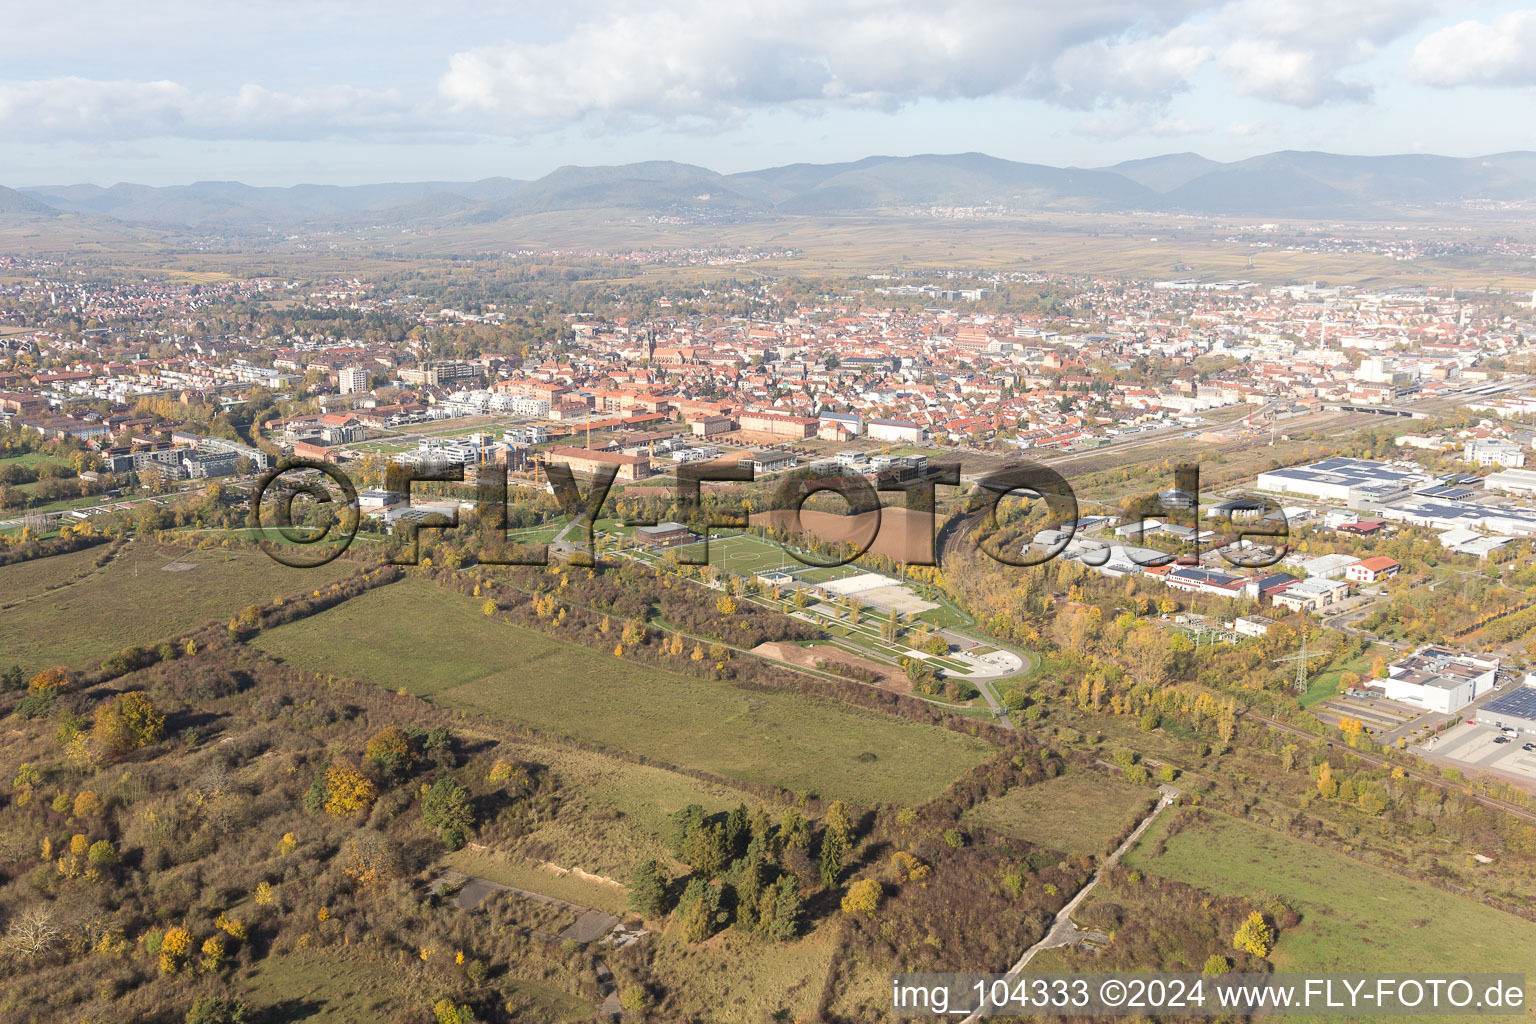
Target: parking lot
(1472, 746)
(1385, 720)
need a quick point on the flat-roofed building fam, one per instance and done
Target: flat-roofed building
(1311, 595)
(588, 462)
(778, 423)
(1439, 679)
(1512, 481)
(664, 535)
(1357, 482)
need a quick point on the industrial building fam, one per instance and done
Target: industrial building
(1512, 481)
(1515, 711)
(1356, 482)
(1438, 679)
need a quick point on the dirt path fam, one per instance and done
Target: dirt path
(1062, 931)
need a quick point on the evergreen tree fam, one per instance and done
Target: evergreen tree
(697, 909)
(448, 812)
(795, 831)
(707, 850)
(684, 824)
(749, 891)
(648, 891)
(761, 823)
(787, 904)
(833, 849)
(738, 832)
(837, 821)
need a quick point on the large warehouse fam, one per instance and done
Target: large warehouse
(1353, 481)
(1515, 711)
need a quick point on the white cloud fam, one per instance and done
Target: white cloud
(1499, 52)
(713, 61)
(1297, 52)
(1142, 69)
(82, 108)
(709, 64)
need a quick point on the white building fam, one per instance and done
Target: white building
(896, 430)
(1493, 452)
(1251, 625)
(1327, 567)
(1511, 481)
(1439, 679)
(1357, 482)
(352, 378)
(1311, 595)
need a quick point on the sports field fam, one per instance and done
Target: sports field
(436, 644)
(1355, 918)
(745, 554)
(62, 611)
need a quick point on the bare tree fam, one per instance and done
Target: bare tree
(32, 933)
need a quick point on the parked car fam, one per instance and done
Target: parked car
(1528, 746)
(1501, 739)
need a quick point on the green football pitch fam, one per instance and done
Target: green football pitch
(746, 555)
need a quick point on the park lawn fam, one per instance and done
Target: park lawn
(1355, 918)
(1079, 812)
(32, 459)
(434, 643)
(134, 599)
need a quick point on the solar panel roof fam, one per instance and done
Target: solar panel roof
(1521, 703)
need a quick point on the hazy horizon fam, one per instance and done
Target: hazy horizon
(344, 93)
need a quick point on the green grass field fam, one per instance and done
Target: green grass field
(436, 644)
(1355, 918)
(1080, 812)
(1326, 684)
(134, 599)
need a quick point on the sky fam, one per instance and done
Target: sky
(332, 91)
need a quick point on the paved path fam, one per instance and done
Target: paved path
(1062, 931)
(590, 925)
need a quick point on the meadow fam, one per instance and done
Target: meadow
(1355, 918)
(744, 986)
(1079, 812)
(436, 644)
(615, 813)
(59, 611)
(327, 988)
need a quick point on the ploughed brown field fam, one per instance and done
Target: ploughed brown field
(899, 533)
(887, 678)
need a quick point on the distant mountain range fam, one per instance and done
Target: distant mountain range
(1283, 185)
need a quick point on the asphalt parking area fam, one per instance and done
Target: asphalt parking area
(1473, 746)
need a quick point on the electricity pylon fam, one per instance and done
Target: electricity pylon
(1301, 664)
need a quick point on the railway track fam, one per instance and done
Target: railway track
(1491, 802)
